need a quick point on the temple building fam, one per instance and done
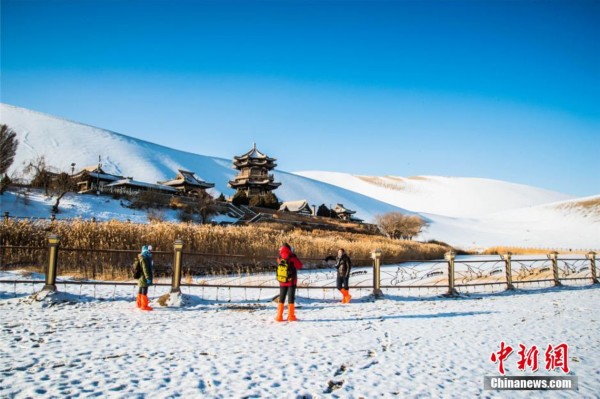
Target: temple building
(301, 207)
(133, 187)
(346, 214)
(253, 177)
(187, 183)
(93, 178)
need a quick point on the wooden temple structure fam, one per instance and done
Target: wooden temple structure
(187, 183)
(301, 207)
(254, 177)
(93, 178)
(345, 213)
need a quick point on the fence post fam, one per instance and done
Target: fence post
(6, 216)
(592, 257)
(53, 242)
(376, 255)
(176, 282)
(450, 256)
(554, 257)
(509, 283)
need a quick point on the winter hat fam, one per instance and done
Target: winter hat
(285, 250)
(150, 248)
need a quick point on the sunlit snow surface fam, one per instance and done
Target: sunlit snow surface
(225, 344)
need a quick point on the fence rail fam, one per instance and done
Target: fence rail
(451, 274)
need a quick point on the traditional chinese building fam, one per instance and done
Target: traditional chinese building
(131, 187)
(302, 207)
(345, 213)
(253, 177)
(93, 178)
(187, 183)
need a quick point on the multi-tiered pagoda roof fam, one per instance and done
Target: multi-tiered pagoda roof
(254, 177)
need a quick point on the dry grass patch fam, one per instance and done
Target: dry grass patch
(382, 182)
(529, 251)
(396, 178)
(591, 203)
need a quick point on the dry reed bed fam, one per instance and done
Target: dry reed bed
(256, 240)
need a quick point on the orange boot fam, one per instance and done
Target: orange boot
(344, 293)
(145, 303)
(292, 312)
(347, 296)
(139, 300)
(279, 316)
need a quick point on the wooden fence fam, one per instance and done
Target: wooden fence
(453, 275)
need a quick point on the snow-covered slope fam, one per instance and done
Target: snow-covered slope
(465, 212)
(565, 224)
(474, 212)
(449, 196)
(63, 142)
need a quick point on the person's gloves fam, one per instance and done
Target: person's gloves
(149, 281)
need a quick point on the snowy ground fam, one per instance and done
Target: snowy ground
(99, 345)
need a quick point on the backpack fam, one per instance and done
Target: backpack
(285, 271)
(136, 268)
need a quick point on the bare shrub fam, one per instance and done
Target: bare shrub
(177, 203)
(40, 172)
(399, 226)
(156, 215)
(8, 147)
(185, 215)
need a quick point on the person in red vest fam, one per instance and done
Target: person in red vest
(288, 288)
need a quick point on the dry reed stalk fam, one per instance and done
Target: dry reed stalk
(255, 242)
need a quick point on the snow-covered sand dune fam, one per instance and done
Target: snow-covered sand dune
(464, 212)
(448, 196)
(63, 142)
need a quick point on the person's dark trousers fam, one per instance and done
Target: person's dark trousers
(342, 282)
(290, 292)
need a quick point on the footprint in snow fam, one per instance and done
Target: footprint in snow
(333, 385)
(341, 370)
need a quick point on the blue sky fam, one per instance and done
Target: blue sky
(507, 90)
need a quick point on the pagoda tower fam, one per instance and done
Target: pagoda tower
(253, 177)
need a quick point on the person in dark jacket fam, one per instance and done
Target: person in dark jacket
(343, 266)
(145, 280)
(288, 289)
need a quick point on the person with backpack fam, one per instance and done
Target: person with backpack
(288, 281)
(343, 266)
(145, 280)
